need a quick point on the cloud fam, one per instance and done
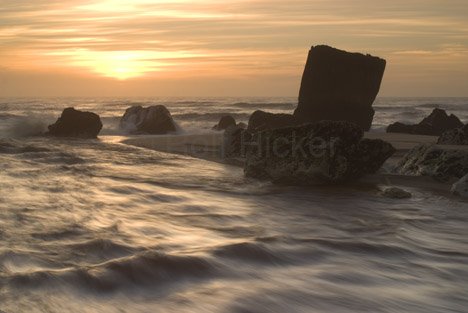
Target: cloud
(238, 37)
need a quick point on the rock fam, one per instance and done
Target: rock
(396, 193)
(339, 86)
(433, 125)
(225, 122)
(261, 120)
(460, 188)
(457, 136)
(242, 125)
(74, 123)
(151, 120)
(326, 152)
(443, 164)
(232, 141)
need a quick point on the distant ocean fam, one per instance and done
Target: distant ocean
(99, 226)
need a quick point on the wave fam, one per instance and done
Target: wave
(145, 269)
(214, 117)
(25, 126)
(248, 252)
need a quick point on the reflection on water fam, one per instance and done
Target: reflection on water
(96, 226)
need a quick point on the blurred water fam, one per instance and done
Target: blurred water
(98, 226)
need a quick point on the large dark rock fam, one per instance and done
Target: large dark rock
(327, 152)
(225, 122)
(261, 120)
(439, 162)
(457, 136)
(339, 86)
(151, 120)
(433, 125)
(232, 141)
(74, 123)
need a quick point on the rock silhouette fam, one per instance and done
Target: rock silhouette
(339, 86)
(225, 122)
(74, 123)
(155, 120)
(433, 125)
(261, 120)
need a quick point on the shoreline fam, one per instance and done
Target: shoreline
(209, 147)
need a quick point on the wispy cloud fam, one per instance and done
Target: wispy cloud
(125, 39)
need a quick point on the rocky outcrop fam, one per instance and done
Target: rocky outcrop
(327, 152)
(460, 188)
(433, 125)
(261, 120)
(151, 120)
(74, 123)
(339, 86)
(225, 122)
(443, 164)
(457, 136)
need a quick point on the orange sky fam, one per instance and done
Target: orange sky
(223, 48)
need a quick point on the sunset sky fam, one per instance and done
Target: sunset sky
(224, 48)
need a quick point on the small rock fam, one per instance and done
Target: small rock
(433, 125)
(396, 193)
(74, 123)
(460, 188)
(225, 122)
(151, 120)
(261, 120)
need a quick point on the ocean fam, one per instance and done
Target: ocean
(100, 226)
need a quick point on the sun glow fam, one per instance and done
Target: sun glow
(121, 65)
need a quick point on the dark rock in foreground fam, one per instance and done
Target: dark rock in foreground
(433, 125)
(457, 136)
(261, 120)
(225, 122)
(443, 164)
(155, 120)
(339, 86)
(327, 152)
(74, 123)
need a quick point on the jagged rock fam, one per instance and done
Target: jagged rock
(339, 86)
(74, 123)
(433, 125)
(443, 164)
(327, 152)
(457, 136)
(151, 120)
(396, 193)
(225, 122)
(460, 188)
(261, 120)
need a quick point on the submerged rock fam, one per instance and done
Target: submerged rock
(74, 123)
(151, 120)
(225, 122)
(327, 152)
(396, 193)
(261, 120)
(339, 86)
(443, 164)
(433, 125)
(457, 136)
(460, 188)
